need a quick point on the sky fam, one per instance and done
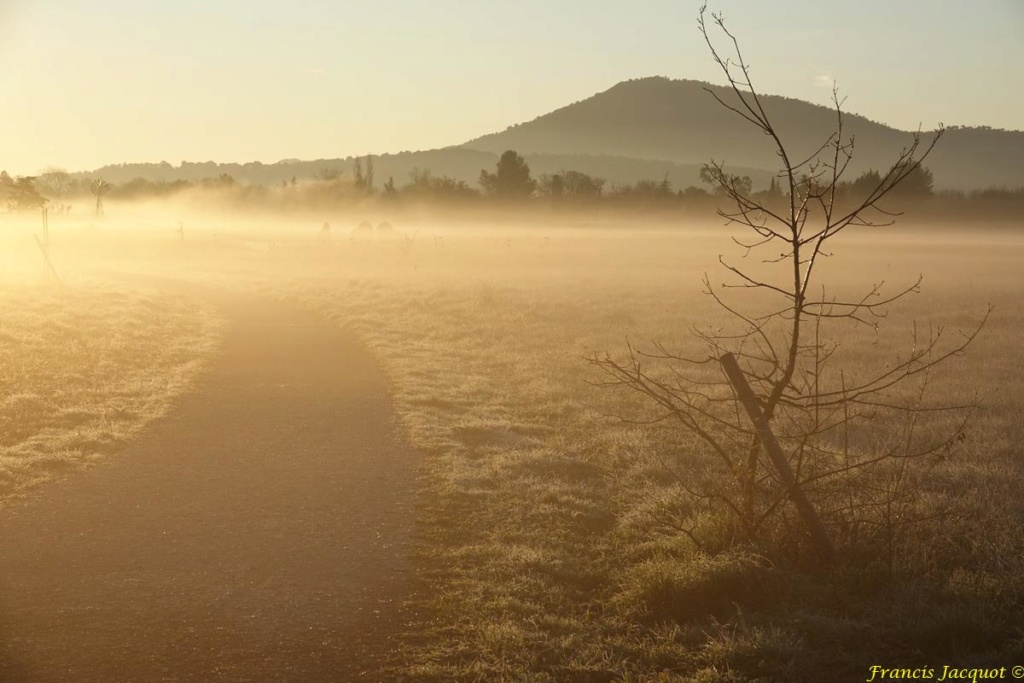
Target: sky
(84, 83)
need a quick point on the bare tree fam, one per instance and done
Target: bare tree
(786, 338)
(369, 173)
(363, 179)
(357, 173)
(329, 173)
(58, 183)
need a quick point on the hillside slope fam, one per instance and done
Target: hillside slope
(649, 129)
(681, 122)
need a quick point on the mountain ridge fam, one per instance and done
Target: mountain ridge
(680, 121)
(651, 128)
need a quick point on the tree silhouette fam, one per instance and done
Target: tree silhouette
(357, 173)
(57, 182)
(25, 196)
(850, 434)
(512, 180)
(363, 179)
(918, 184)
(369, 173)
(570, 186)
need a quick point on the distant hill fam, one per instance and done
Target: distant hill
(680, 122)
(647, 129)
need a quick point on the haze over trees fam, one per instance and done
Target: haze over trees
(677, 121)
(561, 543)
(511, 180)
(642, 143)
(20, 193)
(643, 129)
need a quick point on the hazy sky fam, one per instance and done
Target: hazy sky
(89, 82)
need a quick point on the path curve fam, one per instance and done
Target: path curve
(261, 531)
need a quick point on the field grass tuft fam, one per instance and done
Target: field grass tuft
(83, 370)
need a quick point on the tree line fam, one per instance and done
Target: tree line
(510, 184)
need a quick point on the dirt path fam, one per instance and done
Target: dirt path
(259, 532)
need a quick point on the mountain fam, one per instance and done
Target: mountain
(680, 121)
(649, 129)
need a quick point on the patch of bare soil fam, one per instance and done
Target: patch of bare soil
(262, 531)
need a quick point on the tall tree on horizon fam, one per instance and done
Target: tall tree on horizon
(512, 180)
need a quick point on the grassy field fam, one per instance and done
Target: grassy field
(84, 367)
(559, 535)
(554, 538)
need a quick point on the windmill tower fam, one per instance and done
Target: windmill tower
(99, 188)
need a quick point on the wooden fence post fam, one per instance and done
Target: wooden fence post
(771, 445)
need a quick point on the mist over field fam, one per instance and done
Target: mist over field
(454, 346)
(548, 510)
